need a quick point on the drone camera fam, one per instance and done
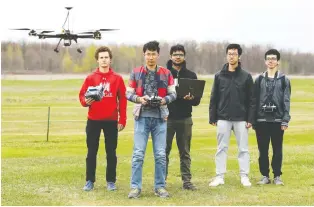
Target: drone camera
(67, 42)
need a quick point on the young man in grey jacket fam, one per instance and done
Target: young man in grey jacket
(272, 91)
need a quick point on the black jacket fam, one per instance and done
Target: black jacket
(181, 108)
(232, 96)
(280, 98)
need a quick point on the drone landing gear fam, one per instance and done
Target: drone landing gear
(56, 49)
(79, 50)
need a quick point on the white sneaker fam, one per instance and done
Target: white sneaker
(217, 181)
(245, 181)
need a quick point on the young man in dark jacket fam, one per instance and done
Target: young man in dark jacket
(272, 90)
(232, 107)
(180, 113)
(108, 114)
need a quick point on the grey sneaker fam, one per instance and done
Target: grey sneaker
(134, 193)
(88, 186)
(278, 181)
(264, 180)
(161, 192)
(111, 186)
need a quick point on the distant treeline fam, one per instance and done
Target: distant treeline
(203, 58)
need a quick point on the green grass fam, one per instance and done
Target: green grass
(36, 172)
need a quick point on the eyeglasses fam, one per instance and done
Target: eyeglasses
(272, 58)
(178, 55)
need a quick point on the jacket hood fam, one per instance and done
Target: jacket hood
(279, 74)
(169, 65)
(226, 66)
(103, 74)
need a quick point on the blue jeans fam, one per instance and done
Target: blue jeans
(158, 129)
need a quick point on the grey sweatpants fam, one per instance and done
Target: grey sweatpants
(223, 137)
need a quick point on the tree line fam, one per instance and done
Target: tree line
(203, 58)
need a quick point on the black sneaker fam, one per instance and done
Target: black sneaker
(134, 193)
(189, 186)
(161, 192)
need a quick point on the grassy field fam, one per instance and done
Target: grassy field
(36, 172)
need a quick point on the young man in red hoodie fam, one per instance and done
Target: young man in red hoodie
(108, 114)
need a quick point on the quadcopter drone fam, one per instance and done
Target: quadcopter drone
(66, 34)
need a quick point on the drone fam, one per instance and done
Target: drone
(66, 34)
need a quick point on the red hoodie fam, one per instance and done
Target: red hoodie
(113, 103)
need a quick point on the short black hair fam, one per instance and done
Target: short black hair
(234, 46)
(177, 47)
(273, 52)
(152, 46)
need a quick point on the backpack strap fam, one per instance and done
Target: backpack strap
(259, 80)
(258, 83)
(283, 84)
(257, 90)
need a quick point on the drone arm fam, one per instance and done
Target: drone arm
(85, 36)
(49, 36)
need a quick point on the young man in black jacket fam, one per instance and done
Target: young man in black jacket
(180, 113)
(232, 107)
(272, 91)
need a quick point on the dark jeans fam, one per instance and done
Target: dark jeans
(93, 129)
(183, 130)
(266, 132)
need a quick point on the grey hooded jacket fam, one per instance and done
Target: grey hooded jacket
(280, 98)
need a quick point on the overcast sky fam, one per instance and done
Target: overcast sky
(287, 24)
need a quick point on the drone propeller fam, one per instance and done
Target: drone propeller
(107, 29)
(46, 31)
(98, 30)
(21, 29)
(42, 31)
(86, 33)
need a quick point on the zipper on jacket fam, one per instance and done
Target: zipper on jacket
(231, 97)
